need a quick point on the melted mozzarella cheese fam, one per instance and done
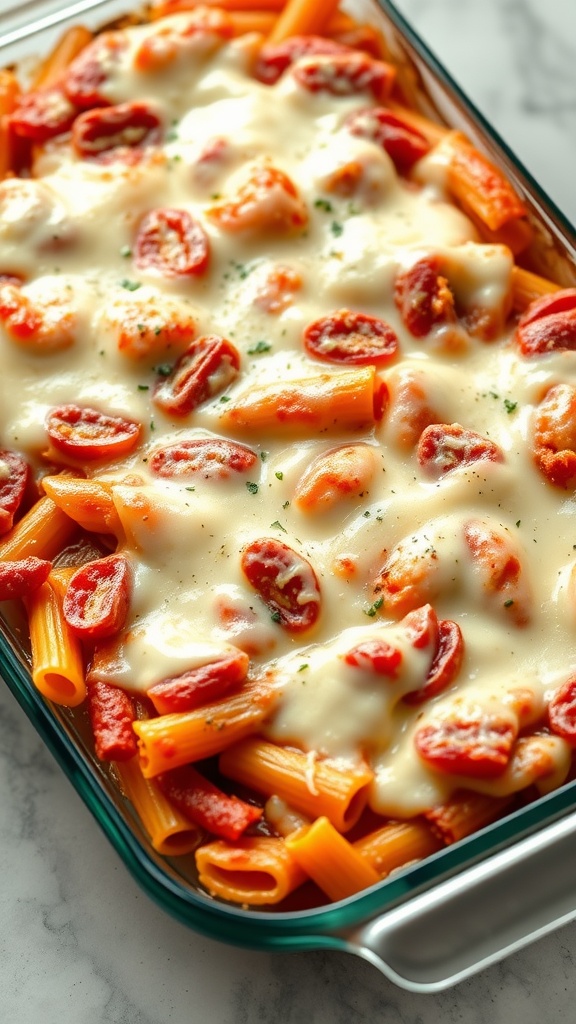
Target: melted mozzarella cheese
(72, 233)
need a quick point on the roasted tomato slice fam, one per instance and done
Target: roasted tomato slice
(354, 338)
(199, 685)
(554, 438)
(20, 578)
(376, 656)
(403, 143)
(549, 324)
(423, 297)
(43, 114)
(88, 434)
(345, 74)
(275, 58)
(214, 458)
(111, 715)
(97, 133)
(285, 581)
(562, 711)
(474, 743)
(446, 663)
(205, 369)
(98, 596)
(443, 447)
(14, 475)
(86, 79)
(171, 243)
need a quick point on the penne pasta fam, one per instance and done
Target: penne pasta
(171, 834)
(302, 18)
(57, 663)
(336, 866)
(254, 871)
(88, 502)
(173, 740)
(310, 786)
(74, 40)
(43, 532)
(397, 844)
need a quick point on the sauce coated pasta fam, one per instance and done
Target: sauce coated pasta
(287, 447)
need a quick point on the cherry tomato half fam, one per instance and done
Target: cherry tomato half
(205, 369)
(171, 243)
(376, 656)
(86, 79)
(403, 143)
(562, 711)
(345, 74)
(423, 297)
(549, 324)
(214, 458)
(443, 447)
(129, 125)
(478, 745)
(21, 577)
(285, 581)
(446, 663)
(97, 598)
(354, 338)
(88, 434)
(14, 474)
(43, 114)
(275, 58)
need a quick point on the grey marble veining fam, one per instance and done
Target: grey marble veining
(80, 943)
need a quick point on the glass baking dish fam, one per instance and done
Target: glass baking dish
(436, 922)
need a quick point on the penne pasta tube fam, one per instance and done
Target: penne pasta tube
(177, 6)
(88, 502)
(43, 531)
(527, 287)
(300, 17)
(397, 843)
(171, 834)
(66, 49)
(479, 187)
(257, 870)
(343, 400)
(172, 740)
(9, 91)
(336, 866)
(57, 666)
(312, 787)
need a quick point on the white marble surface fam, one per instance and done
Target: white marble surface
(80, 943)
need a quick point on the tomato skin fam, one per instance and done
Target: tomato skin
(267, 200)
(285, 581)
(345, 74)
(96, 602)
(478, 745)
(549, 324)
(562, 711)
(214, 458)
(444, 447)
(200, 685)
(446, 663)
(88, 434)
(43, 114)
(205, 369)
(172, 243)
(203, 803)
(554, 439)
(275, 58)
(403, 143)
(111, 715)
(86, 78)
(14, 476)
(96, 133)
(423, 297)
(422, 627)
(356, 339)
(375, 656)
(21, 577)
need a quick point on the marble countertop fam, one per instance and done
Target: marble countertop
(80, 943)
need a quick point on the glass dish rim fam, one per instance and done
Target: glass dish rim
(324, 926)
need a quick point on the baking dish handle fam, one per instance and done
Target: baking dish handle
(483, 914)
